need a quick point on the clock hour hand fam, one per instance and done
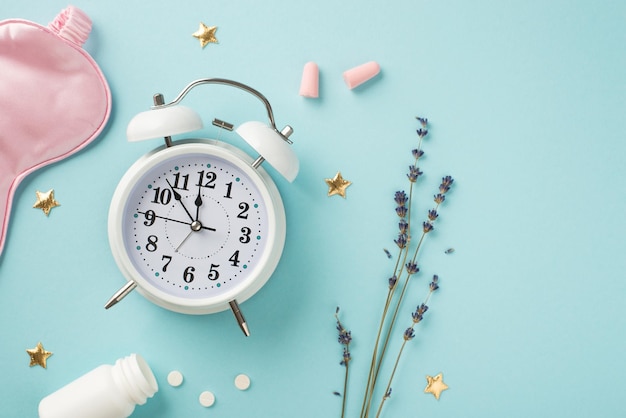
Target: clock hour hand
(179, 198)
(198, 202)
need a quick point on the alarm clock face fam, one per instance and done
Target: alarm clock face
(195, 226)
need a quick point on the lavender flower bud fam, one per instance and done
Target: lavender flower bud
(432, 215)
(345, 336)
(422, 308)
(434, 285)
(423, 121)
(414, 173)
(422, 132)
(411, 268)
(439, 198)
(427, 227)
(392, 281)
(402, 241)
(346, 357)
(401, 211)
(401, 198)
(403, 225)
(417, 153)
(418, 315)
(409, 333)
(446, 182)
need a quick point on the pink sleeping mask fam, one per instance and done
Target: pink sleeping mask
(54, 100)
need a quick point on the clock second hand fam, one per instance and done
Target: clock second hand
(195, 227)
(183, 241)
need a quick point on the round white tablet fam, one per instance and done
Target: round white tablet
(175, 378)
(206, 398)
(242, 382)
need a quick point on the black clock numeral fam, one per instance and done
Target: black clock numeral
(229, 188)
(245, 238)
(150, 218)
(169, 260)
(244, 210)
(188, 274)
(151, 246)
(210, 182)
(234, 259)
(162, 196)
(213, 273)
(177, 181)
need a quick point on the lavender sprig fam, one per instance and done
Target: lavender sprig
(410, 268)
(405, 268)
(408, 335)
(404, 211)
(344, 338)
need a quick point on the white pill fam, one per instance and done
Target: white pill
(206, 399)
(242, 382)
(175, 378)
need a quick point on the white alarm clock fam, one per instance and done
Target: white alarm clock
(197, 225)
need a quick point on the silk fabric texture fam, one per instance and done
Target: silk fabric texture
(54, 99)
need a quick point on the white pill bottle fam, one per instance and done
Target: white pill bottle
(105, 392)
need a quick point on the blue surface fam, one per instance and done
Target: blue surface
(526, 102)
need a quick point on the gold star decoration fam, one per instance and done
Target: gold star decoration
(206, 34)
(46, 201)
(38, 356)
(337, 185)
(435, 385)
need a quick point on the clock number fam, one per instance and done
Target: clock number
(246, 235)
(244, 210)
(211, 177)
(213, 273)
(234, 259)
(150, 218)
(229, 187)
(169, 260)
(177, 177)
(162, 196)
(188, 274)
(151, 245)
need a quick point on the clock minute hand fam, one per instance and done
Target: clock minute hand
(180, 222)
(179, 198)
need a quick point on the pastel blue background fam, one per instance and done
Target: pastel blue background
(526, 101)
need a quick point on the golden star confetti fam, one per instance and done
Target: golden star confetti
(206, 34)
(38, 356)
(46, 201)
(435, 385)
(337, 185)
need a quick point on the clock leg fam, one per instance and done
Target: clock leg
(234, 306)
(121, 294)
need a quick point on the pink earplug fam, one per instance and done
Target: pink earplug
(309, 86)
(359, 75)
